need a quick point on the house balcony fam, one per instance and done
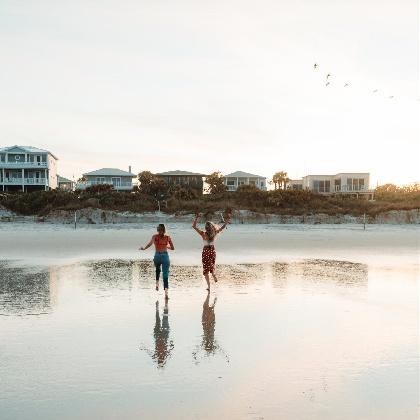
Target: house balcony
(351, 188)
(24, 181)
(122, 185)
(22, 165)
(344, 189)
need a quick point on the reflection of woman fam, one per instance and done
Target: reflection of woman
(208, 320)
(208, 342)
(163, 346)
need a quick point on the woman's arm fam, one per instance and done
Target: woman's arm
(170, 244)
(143, 248)
(225, 223)
(194, 226)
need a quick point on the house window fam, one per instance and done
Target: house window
(337, 184)
(230, 183)
(100, 180)
(322, 186)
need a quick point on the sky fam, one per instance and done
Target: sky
(208, 86)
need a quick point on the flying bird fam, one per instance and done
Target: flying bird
(315, 66)
(375, 91)
(328, 75)
(326, 84)
(391, 97)
(346, 85)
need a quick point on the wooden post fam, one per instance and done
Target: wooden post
(75, 219)
(364, 221)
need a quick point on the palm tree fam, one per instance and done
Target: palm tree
(280, 180)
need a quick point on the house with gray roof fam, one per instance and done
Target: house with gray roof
(119, 179)
(65, 184)
(192, 180)
(27, 168)
(238, 178)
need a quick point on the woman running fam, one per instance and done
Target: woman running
(161, 260)
(208, 257)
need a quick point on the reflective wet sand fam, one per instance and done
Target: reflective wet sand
(303, 339)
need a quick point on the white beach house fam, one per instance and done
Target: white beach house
(119, 179)
(349, 183)
(238, 178)
(27, 168)
(65, 184)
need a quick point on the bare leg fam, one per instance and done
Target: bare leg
(214, 277)
(157, 284)
(206, 276)
(166, 294)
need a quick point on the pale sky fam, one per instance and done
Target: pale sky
(214, 85)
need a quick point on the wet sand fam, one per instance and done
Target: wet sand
(314, 333)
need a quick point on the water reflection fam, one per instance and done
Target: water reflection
(342, 273)
(24, 292)
(163, 345)
(208, 320)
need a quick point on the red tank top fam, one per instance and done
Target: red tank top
(161, 244)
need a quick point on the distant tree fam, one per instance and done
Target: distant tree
(280, 180)
(386, 188)
(145, 180)
(183, 192)
(81, 180)
(215, 183)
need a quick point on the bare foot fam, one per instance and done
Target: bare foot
(214, 277)
(157, 287)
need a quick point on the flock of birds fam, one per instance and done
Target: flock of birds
(328, 79)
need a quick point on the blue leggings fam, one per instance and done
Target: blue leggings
(162, 263)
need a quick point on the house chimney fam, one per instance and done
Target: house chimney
(129, 169)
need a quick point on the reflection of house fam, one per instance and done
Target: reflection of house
(236, 179)
(342, 183)
(26, 168)
(183, 178)
(64, 183)
(119, 179)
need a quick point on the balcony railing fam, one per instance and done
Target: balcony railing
(19, 164)
(25, 181)
(351, 188)
(116, 185)
(343, 189)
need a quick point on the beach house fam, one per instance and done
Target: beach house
(65, 184)
(238, 178)
(119, 179)
(27, 168)
(183, 178)
(348, 183)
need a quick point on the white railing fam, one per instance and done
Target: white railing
(26, 181)
(116, 185)
(351, 188)
(18, 164)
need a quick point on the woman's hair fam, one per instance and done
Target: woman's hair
(210, 230)
(161, 227)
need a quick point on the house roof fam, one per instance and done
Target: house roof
(28, 149)
(179, 173)
(109, 172)
(241, 174)
(340, 173)
(62, 179)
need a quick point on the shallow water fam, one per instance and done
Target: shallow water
(304, 339)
